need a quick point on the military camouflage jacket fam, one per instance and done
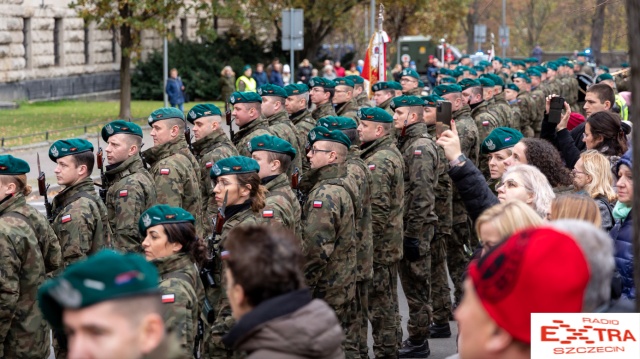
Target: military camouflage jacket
(413, 92)
(468, 133)
(245, 216)
(282, 205)
(23, 331)
(527, 113)
(132, 191)
(348, 109)
(208, 151)
(328, 234)
(443, 191)
(485, 120)
(539, 101)
(324, 110)
(241, 139)
(182, 292)
(386, 165)
(80, 221)
(361, 176)
(362, 100)
(387, 106)
(281, 127)
(502, 109)
(420, 178)
(516, 115)
(303, 123)
(47, 239)
(176, 180)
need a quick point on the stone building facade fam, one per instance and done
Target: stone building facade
(48, 52)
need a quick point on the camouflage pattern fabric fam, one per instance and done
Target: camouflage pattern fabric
(348, 109)
(540, 102)
(257, 127)
(80, 222)
(414, 92)
(23, 330)
(324, 110)
(420, 178)
(468, 133)
(485, 120)
(303, 123)
(517, 115)
(281, 127)
(176, 179)
(502, 110)
(282, 205)
(527, 113)
(131, 192)
(208, 151)
(362, 100)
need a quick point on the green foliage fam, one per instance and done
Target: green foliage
(199, 65)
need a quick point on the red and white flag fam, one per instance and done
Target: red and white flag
(375, 61)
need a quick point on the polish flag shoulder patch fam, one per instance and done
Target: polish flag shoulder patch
(485, 123)
(168, 298)
(372, 167)
(164, 171)
(123, 193)
(417, 153)
(66, 218)
(267, 214)
(317, 204)
(209, 164)
(224, 255)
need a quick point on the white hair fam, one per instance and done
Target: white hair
(598, 251)
(536, 184)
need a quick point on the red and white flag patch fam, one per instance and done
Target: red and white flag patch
(164, 171)
(224, 255)
(209, 164)
(123, 193)
(372, 167)
(485, 123)
(267, 214)
(317, 204)
(417, 153)
(66, 218)
(168, 298)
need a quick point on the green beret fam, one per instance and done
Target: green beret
(431, 100)
(584, 54)
(473, 72)
(581, 63)
(324, 134)
(357, 80)
(245, 97)
(104, 276)
(506, 66)
(533, 73)
(500, 138)
(406, 101)
(296, 89)
(604, 68)
(498, 58)
(10, 165)
(531, 60)
(374, 114)
(165, 113)
(411, 73)
(465, 57)
(444, 71)
(507, 60)
(479, 68)
(463, 68)
(603, 77)
(486, 82)
(337, 123)
(469, 83)
(272, 90)
(160, 214)
(512, 86)
(552, 66)
(497, 80)
(322, 82)
(246, 67)
(455, 62)
(420, 83)
(448, 80)
(484, 63)
(73, 146)
(445, 89)
(389, 85)
(540, 68)
(564, 58)
(456, 73)
(343, 81)
(624, 65)
(233, 166)
(521, 75)
(271, 144)
(203, 110)
(120, 126)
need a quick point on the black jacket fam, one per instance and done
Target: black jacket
(568, 143)
(473, 189)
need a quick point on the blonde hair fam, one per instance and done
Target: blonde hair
(536, 184)
(19, 180)
(598, 167)
(575, 206)
(508, 218)
(225, 70)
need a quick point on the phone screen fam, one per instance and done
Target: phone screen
(443, 117)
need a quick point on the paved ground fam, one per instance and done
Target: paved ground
(440, 348)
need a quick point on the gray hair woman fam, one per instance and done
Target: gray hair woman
(527, 184)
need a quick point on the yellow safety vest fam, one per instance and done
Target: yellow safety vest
(249, 84)
(624, 109)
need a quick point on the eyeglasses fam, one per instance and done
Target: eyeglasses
(314, 150)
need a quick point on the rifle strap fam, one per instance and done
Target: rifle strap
(21, 217)
(72, 199)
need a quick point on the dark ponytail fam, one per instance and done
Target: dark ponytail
(608, 126)
(185, 234)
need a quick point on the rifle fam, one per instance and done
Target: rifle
(213, 265)
(104, 185)
(227, 111)
(43, 187)
(187, 136)
(295, 185)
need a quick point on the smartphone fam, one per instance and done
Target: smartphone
(443, 117)
(555, 109)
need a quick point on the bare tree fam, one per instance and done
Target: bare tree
(597, 30)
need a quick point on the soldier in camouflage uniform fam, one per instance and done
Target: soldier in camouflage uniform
(383, 94)
(23, 331)
(360, 175)
(273, 100)
(410, 82)
(182, 290)
(210, 146)
(328, 228)
(511, 92)
(538, 96)
(527, 104)
(173, 168)
(321, 93)
(344, 99)
(247, 111)
(468, 133)
(500, 105)
(360, 94)
(239, 193)
(131, 187)
(296, 105)
(386, 165)
(274, 155)
(421, 163)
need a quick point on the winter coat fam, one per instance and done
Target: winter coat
(174, 91)
(261, 78)
(622, 234)
(473, 189)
